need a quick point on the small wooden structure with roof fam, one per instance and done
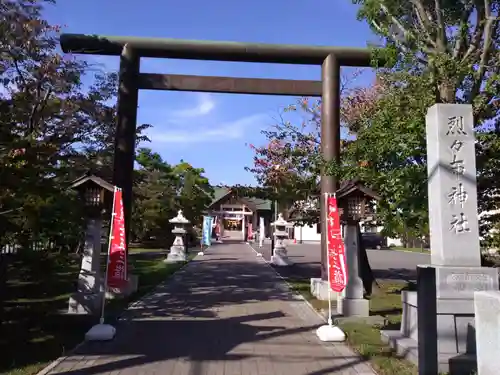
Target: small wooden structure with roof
(234, 213)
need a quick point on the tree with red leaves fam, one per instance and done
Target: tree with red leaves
(291, 163)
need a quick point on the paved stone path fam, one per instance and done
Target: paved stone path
(226, 313)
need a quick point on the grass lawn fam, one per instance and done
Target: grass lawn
(410, 249)
(365, 338)
(139, 250)
(34, 332)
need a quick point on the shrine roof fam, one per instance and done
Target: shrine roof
(221, 193)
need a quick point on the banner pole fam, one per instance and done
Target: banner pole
(329, 332)
(105, 283)
(330, 321)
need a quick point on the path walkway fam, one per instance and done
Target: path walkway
(226, 313)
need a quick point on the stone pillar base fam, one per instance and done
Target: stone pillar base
(280, 258)
(319, 289)
(456, 336)
(455, 287)
(358, 307)
(176, 254)
(487, 309)
(85, 303)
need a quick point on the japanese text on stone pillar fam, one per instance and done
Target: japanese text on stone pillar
(457, 196)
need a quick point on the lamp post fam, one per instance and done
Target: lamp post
(354, 199)
(97, 195)
(178, 249)
(280, 256)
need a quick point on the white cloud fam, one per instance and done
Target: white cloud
(205, 105)
(223, 132)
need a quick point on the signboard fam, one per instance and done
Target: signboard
(117, 261)
(206, 238)
(337, 266)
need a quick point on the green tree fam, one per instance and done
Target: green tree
(53, 127)
(161, 190)
(443, 51)
(194, 191)
(154, 203)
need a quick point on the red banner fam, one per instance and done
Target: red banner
(335, 245)
(117, 261)
(250, 232)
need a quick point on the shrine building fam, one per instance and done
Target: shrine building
(234, 214)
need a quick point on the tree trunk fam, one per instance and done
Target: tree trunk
(4, 260)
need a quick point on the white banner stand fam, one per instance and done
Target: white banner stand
(201, 250)
(261, 235)
(329, 332)
(102, 331)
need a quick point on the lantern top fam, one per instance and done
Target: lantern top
(92, 179)
(281, 222)
(356, 188)
(179, 219)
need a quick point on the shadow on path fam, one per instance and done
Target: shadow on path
(226, 313)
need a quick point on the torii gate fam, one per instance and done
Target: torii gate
(131, 49)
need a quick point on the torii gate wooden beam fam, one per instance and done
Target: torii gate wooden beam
(229, 85)
(131, 49)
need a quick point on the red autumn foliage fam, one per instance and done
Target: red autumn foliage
(292, 151)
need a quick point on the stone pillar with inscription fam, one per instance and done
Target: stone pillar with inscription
(454, 236)
(88, 298)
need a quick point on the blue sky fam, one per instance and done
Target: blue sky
(212, 130)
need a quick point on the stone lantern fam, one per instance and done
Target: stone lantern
(280, 256)
(178, 249)
(355, 202)
(97, 195)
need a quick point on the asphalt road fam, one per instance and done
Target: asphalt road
(386, 264)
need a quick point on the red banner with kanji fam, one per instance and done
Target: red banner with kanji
(117, 261)
(250, 232)
(335, 247)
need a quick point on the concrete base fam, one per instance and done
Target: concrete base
(487, 311)
(330, 333)
(176, 254)
(456, 334)
(319, 289)
(280, 258)
(85, 303)
(407, 348)
(353, 307)
(201, 253)
(101, 332)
